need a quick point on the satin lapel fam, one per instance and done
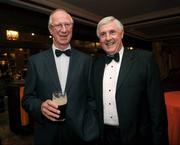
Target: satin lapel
(127, 62)
(99, 80)
(73, 68)
(52, 70)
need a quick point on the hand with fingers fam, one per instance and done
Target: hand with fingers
(50, 110)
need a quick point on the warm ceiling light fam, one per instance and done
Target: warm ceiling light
(20, 49)
(12, 35)
(5, 54)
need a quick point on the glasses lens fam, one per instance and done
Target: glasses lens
(61, 26)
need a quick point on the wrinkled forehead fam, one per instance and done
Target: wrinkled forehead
(61, 17)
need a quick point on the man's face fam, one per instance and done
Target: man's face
(61, 28)
(110, 36)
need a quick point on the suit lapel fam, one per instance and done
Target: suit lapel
(51, 69)
(127, 62)
(73, 68)
(99, 80)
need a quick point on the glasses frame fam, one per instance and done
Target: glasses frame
(60, 26)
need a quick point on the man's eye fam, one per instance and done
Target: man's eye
(102, 35)
(112, 32)
(67, 25)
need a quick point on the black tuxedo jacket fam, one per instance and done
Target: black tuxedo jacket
(42, 80)
(139, 98)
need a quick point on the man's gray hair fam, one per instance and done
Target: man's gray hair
(50, 17)
(107, 20)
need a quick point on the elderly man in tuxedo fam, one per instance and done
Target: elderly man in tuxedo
(66, 69)
(126, 86)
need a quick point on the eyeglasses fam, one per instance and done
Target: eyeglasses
(59, 27)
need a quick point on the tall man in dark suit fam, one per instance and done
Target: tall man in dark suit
(67, 71)
(126, 85)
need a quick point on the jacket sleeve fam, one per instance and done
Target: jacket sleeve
(157, 104)
(30, 102)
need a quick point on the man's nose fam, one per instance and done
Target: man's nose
(108, 36)
(63, 29)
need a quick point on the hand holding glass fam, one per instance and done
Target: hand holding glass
(61, 99)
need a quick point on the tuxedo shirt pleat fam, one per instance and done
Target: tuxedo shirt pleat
(110, 79)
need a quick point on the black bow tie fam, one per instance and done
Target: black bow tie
(109, 58)
(59, 52)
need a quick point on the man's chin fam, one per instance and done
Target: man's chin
(109, 51)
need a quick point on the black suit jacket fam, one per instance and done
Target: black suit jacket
(42, 80)
(139, 98)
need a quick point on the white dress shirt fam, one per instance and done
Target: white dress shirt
(110, 78)
(62, 65)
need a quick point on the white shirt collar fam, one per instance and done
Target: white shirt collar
(54, 48)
